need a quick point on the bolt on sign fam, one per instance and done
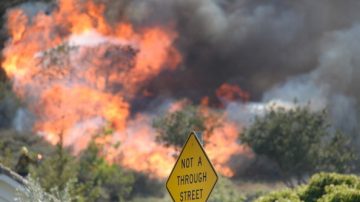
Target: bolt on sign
(193, 176)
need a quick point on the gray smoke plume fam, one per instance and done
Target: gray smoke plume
(277, 50)
(255, 44)
(333, 82)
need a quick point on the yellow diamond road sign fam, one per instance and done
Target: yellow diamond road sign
(193, 176)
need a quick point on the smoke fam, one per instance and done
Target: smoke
(276, 50)
(333, 82)
(238, 42)
(8, 108)
(272, 49)
(23, 120)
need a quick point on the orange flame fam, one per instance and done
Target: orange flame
(222, 145)
(228, 92)
(79, 74)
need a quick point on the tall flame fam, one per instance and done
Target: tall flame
(78, 74)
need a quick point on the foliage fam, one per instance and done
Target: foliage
(225, 191)
(338, 155)
(320, 182)
(86, 178)
(89, 178)
(101, 181)
(299, 142)
(340, 193)
(322, 187)
(68, 193)
(280, 196)
(174, 127)
(57, 170)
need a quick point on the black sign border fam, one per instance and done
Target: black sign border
(193, 133)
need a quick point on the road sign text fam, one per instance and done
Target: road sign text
(193, 177)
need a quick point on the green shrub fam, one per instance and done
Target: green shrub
(56, 170)
(286, 195)
(103, 181)
(337, 193)
(316, 188)
(322, 187)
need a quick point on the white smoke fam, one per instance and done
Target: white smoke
(23, 120)
(333, 83)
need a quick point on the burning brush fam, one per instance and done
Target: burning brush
(77, 73)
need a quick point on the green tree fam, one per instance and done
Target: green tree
(299, 141)
(174, 127)
(338, 155)
(57, 169)
(103, 181)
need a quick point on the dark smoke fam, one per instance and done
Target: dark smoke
(255, 44)
(277, 49)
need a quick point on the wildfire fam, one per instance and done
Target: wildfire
(78, 74)
(227, 92)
